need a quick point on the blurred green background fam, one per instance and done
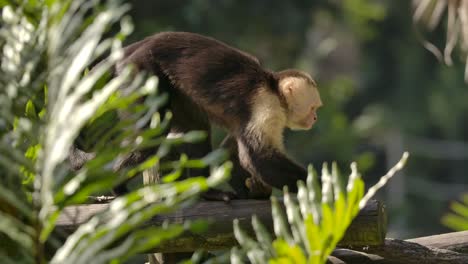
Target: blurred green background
(383, 92)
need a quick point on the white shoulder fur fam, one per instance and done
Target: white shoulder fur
(268, 119)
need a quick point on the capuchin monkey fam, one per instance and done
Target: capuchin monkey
(211, 83)
(302, 101)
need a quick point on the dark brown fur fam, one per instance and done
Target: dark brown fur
(209, 81)
(203, 69)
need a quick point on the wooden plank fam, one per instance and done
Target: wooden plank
(369, 227)
(396, 251)
(444, 248)
(455, 241)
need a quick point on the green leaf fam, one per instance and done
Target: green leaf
(340, 221)
(313, 234)
(317, 222)
(263, 236)
(279, 222)
(49, 226)
(244, 240)
(10, 199)
(465, 199)
(194, 136)
(295, 219)
(198, 226)
(16, 231)
(215, 157)
(30, 111)
(147, 164)
(328, 220)
(455, 222)
(4, 3)
(149, 238)
(174, 175)
(288, 253)
(458, 220)
(236, 256)
(460, 209)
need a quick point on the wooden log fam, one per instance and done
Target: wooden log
(444, 248)
(348, 256)
(396, 251)
(455, 241)
(369, 227)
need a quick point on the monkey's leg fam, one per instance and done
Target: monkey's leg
(197, 151)
(188, 117)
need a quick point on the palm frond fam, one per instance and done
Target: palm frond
(458, 218)
(314, 223)
(430, 13)
(48, 98)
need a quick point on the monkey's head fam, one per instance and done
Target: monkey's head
(302, 98)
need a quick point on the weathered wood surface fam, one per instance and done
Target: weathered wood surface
(365, 235)
(455, 241)
(450, 248)
(369, 227)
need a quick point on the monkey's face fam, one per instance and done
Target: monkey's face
(307, 121)
(303, 101)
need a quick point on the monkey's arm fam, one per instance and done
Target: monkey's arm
(244, 184)
(271, 165)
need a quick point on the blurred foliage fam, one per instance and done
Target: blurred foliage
(314, 225)
(360, 13)
(45, 101)
(458, 219)
(432, 14)
(373, 74)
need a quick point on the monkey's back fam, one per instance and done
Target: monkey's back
(212, 73)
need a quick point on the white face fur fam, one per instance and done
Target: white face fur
(303, 100)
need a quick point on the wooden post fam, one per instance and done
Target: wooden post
(151, 176)
(396, 188)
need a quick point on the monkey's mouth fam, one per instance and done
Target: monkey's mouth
(302, 126)
(308, 123)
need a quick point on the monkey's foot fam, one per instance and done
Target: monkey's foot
(218, 195)
(258, 189)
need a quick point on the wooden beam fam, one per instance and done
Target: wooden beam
(445, 248)
(369, 227)
(455, 241)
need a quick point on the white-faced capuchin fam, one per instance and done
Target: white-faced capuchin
(209, 82)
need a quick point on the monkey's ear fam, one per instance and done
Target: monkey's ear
(286, 86)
